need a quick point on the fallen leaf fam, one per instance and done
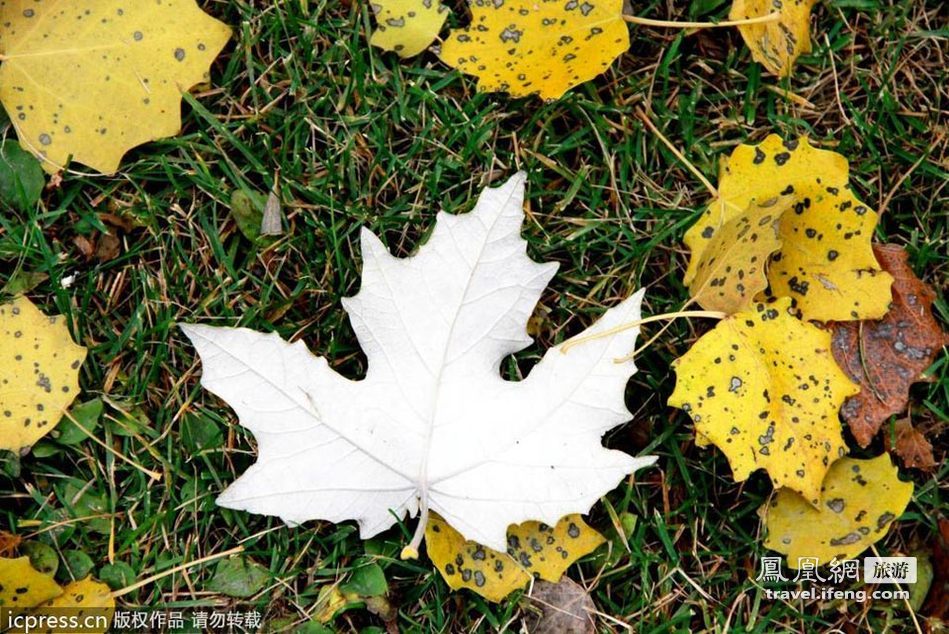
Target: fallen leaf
(730, 272)
(565, 608)
(763, 387)
(83, 599)
(912, 447)
(859, 501)
(108, 247)
(887, 356)
(85, 245)
(775, 45)
(96, 78)
(533, 548)
(526, 47)
(8, 543)
(39, 376)
(825, 261)
(407, 27)
(23, 587)
(271, 224)
(433, 425)
(247, 209)
(329, 602)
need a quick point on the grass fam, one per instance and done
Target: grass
(354, 138)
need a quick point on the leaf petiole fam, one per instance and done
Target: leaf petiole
(411, 551)
(711, 314)
(764, 19)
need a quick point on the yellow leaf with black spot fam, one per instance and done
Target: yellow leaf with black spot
(85, 599)
(825, 262)
(533, 548)
(407, 27)
(775, 45)
(23, 587)
(91, 79)
(764, 388)
(39, 373)
(860, 499)
(731, 269)
(543, 47)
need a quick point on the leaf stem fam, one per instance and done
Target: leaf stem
(576, 341)
(411, 551)
(771, 17)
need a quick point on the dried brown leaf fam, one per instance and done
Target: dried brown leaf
(565, 608)
(887, 356)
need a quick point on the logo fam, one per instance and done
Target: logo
(889, 570)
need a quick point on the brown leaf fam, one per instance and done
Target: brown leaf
(886, 356)
(8, 543)
(86, 246)
(912, 447)
(107, 247)
(565, 608)
(124, 223)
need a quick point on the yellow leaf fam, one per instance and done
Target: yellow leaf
(825, 262)
(87, 598)
(407, 27)
(764, 388)
(23, 587)
(39, 373)
(775, 45)
(533, 548)
(329, 602)
(731, 269)
(91, 79)
(545, 47)
(860, 500)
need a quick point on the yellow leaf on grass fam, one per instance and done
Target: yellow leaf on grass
(39, 373)
(533, 548)
(764, 388)
(825, 262)
(407, 27)
(731, 269)
(775, 45)
(85, 598)
(543, 47)
(329, 602)
(23, 587)
(860, 499)
(90, 79)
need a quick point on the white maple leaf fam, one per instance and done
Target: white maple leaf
(433, 425)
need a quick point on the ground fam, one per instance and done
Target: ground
(355, 137)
